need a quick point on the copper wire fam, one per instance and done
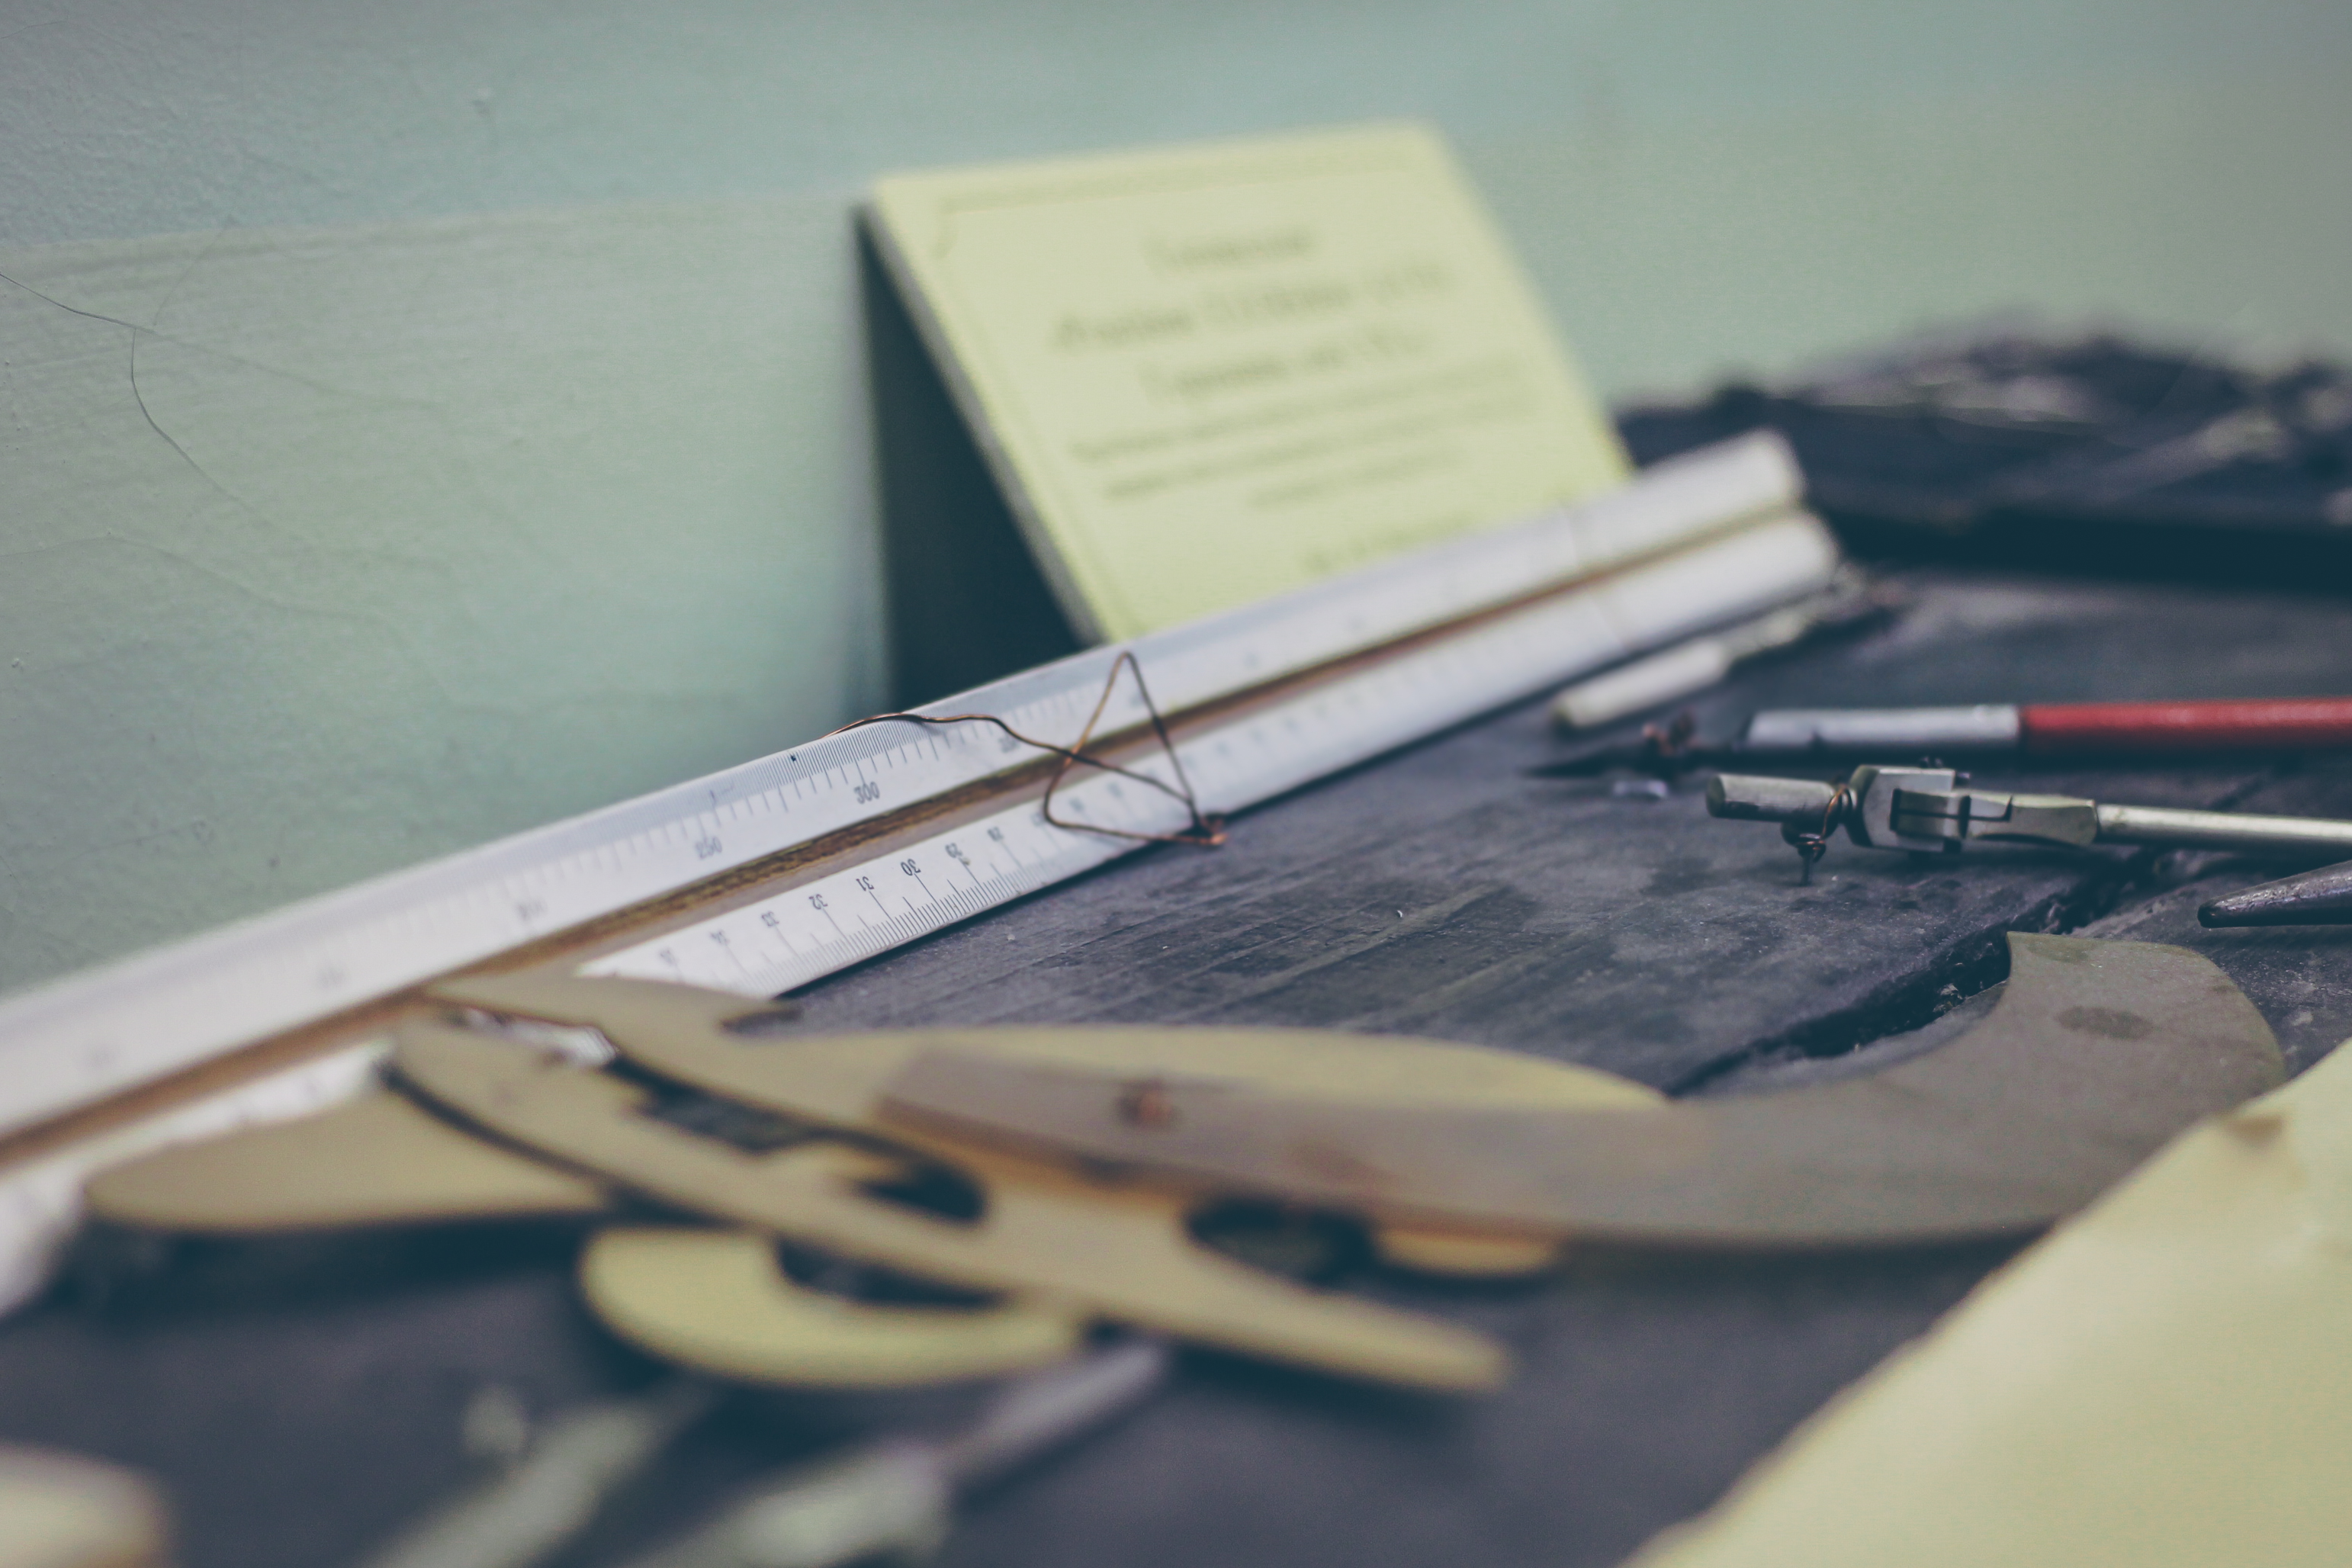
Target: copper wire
(1206, 832)
(1811, 846)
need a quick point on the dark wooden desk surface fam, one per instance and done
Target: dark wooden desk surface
(301, 1402)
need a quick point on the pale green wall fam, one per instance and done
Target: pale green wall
(417, 421)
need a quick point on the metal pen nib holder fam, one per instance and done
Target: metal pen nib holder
(1935, 811)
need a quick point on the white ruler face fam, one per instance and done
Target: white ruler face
(1693, 543)
(831, 921)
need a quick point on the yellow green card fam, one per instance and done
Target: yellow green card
(1204, 375)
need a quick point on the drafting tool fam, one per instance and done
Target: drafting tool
(1935, 810)
(1851, 603)
(2064, 729)
(378, 1160)
(1126, 1255)
(2096, 1055)
(719, 1301)
(553, 1492)
(773, 874)
(2037, 729)
(382, 1159)
(895, 1500)
(2315, 898)
(1124, 1252)
(682, 1035)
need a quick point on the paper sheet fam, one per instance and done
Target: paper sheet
(1210, 374)
(2164, 1380)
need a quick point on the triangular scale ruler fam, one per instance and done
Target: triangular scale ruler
(767, 875)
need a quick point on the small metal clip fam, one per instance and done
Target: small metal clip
(1956, 816)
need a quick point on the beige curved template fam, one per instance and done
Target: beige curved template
(61, 1510)
(1121, 1252)
(717, 1300)
(382, 1159)
(2096, 1055)
(837, 1078)
(678, 1031)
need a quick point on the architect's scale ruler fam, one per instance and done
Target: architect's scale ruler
(767, 875)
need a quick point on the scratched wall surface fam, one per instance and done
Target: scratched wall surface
(328, 552)
(419, 421)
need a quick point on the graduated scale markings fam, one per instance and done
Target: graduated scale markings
(820, 926)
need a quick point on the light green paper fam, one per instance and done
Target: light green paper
(2163, 1381)
(1212, 373)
